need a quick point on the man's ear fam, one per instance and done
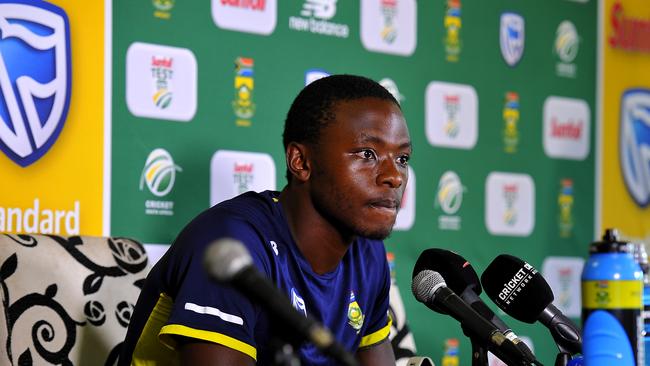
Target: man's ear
(298, 161)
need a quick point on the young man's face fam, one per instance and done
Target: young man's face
(360, 167)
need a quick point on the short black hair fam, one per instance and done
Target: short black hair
(313, 108)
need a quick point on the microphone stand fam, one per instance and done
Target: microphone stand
(480, 348)
(479, 353)
(562, 358)
(284, 354)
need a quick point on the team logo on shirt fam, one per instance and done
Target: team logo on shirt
(298, 302)
(355, 315)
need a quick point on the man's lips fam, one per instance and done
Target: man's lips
(388, 204)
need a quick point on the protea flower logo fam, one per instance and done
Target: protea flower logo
(35, 77)
(159, 173)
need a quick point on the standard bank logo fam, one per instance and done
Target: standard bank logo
(451, 115)
(510, 204)
(161, 82)
(235, 172)
(635, 144)
(512, 37)
(159, 173)
(35, 78)
(252, 16)
(389, 26)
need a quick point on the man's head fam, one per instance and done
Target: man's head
(313, 108)
(351, 161)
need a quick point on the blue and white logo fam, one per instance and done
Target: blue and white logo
(635, 144)
(511, 37)
(297, 302)
(35, 77)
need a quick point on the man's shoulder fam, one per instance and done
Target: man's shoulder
(249, 203)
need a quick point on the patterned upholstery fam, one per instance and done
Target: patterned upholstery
(67, 300)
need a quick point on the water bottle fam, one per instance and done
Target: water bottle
(612, 303)
(641, 257)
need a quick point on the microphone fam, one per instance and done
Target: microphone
(430, 288)
(228, 261)
(519, 290)
(462, 279)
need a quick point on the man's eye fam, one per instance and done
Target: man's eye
(404, 159)
(368, 154)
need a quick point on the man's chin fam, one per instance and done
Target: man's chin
(378, 234)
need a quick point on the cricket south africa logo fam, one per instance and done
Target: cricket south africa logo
(159, 173)
(634, 144)
(35, 78)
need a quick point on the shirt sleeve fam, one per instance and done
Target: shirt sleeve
(379, 321)
(203, 309)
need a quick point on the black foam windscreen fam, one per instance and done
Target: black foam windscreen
(457, 272)
(517, 288)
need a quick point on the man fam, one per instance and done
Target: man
(319, 240)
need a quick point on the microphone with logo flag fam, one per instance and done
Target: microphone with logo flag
(228, 261)
(521, 291)
(462, 279)
(430, 288)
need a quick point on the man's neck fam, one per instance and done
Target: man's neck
(317, 239)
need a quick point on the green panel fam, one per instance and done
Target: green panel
(280, 61)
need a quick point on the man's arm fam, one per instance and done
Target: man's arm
(378, 355)
(212, 354)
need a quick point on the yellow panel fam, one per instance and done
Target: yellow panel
(68, 178)
(621, 70)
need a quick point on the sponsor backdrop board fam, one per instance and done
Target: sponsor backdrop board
(625, 166)
(51, 117)
(499, 97)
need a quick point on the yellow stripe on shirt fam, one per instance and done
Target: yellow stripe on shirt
(376, 337)
(181, 330)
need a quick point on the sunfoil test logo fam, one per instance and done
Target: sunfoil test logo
(35, 78)
(634, 144)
